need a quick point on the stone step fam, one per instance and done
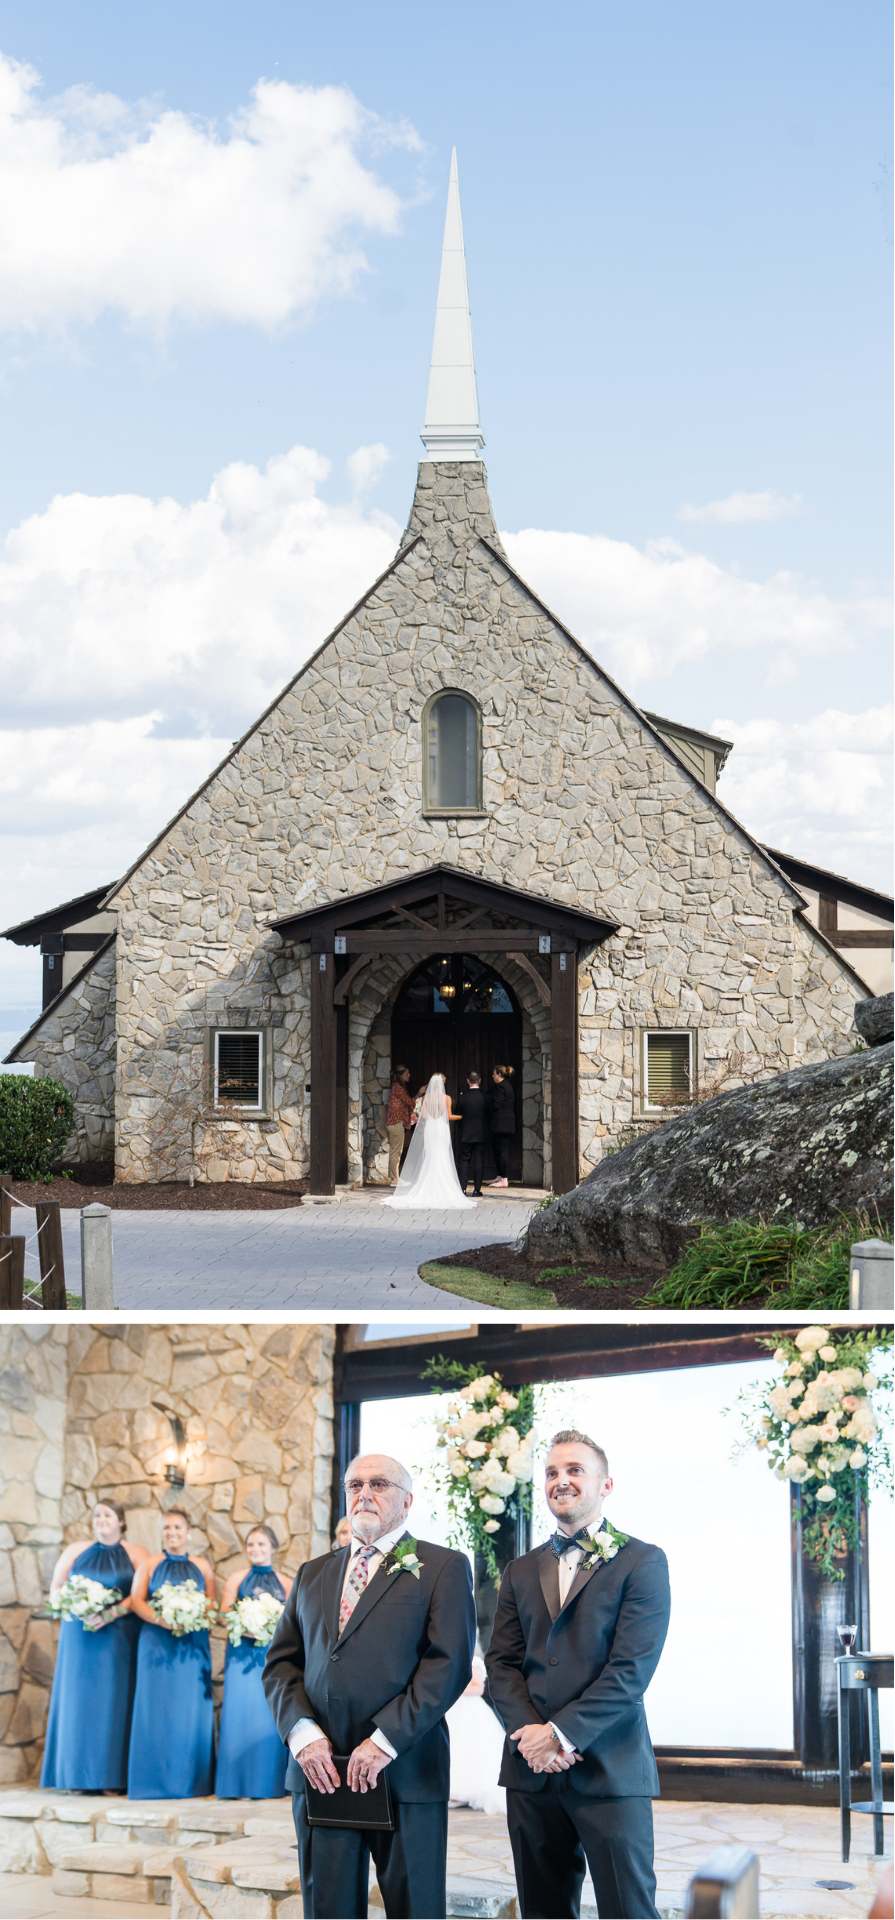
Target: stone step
(124, 1871)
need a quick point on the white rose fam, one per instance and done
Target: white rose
(489, 1503)
(492, 1526)
(826, 1494)
(806, 1440)
(796, 1469)
(762, 1440)
(796, 1366)
(827, 1353)
(870, 1381)
(846, 1378)
(507, 1400)
(520, 1465)
(459, 1469)
(811, 1338)
(476, 1481)
(480, 1389)
(857, 1459)
(502, 1483)
(466, 1393)
(474, 1449)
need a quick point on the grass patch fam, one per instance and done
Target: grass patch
(488, 1288)
(786, 1266)
(581, 1279)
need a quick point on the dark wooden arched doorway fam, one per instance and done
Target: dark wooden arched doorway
(454, 1014)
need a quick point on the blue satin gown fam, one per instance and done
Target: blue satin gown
(93, 1688)
(172, 1730)
(252, 1759)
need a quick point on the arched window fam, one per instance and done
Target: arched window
(452, 754)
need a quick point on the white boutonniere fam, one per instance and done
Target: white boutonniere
(602, 1546)
(405, 1560)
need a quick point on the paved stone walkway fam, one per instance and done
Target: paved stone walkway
(350, 1254)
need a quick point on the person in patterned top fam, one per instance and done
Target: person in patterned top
(398, 1120)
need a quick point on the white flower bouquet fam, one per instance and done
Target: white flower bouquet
(486, 1464)
(84, 1600)
(255, 1617)
(819, 1428)
(183, 1607)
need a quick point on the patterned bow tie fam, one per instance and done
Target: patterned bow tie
(564, 1542)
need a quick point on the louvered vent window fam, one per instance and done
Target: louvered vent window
(237, 1069)
(668, 1069)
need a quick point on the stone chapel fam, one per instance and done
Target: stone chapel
(451, 841)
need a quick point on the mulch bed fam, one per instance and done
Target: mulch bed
(95, 1183)
(622, 1286)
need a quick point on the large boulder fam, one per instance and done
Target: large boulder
(806, 1145)
(874, 1020)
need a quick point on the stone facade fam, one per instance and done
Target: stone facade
(75, 1043)
(77, 1422)
(584, 802)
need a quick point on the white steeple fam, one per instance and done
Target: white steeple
(452, 430)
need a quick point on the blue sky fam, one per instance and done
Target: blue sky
(679, 242)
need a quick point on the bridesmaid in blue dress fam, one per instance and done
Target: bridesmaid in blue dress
(93, 1686)
(252, 1759)
(172, 1730)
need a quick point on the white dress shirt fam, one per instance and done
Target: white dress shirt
(568, 1565)
(304, 1731)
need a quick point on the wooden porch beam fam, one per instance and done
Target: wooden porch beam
(386, 940)
(564, 1071)
(340, 994)
(543, 990)
(323, 1067)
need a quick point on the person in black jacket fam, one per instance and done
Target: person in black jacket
(370, 1653)
(580, 1625)
(502, 1121)
(473, 1117)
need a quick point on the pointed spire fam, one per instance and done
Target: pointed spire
(452, 430)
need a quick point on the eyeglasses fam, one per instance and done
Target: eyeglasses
(375, 1486)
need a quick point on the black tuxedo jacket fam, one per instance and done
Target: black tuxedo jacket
(474, 1122)
(585, 1666)
(404, 1657)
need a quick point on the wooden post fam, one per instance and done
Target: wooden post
(564, 1065)
(12, 1272)
(5, 1212)
(819, 1606)
(49, 1247)
(323, 1065)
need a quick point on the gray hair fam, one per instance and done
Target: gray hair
(570, 1437)
(401, 1475)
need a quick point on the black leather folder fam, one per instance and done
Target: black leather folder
(342, 1808)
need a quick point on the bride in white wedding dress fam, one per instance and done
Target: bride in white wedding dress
(428, 1177)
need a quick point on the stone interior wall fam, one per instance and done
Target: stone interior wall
(584, 804)
(76, 1044)
(77, 1422)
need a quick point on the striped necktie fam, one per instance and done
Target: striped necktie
(358, 1575)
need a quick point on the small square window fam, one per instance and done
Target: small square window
(668, 1075)
(239, 1070)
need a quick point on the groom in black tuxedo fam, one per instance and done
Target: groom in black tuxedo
(576, 1641)
(366, 1660)
(472, 1112)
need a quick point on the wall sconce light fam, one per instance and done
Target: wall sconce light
(175, 1471)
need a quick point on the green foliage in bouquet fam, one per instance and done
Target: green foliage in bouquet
(36, 1119)
(820, 1429)
(484, 1467)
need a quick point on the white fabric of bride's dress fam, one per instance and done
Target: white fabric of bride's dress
(428, 1177)
(476, 1751)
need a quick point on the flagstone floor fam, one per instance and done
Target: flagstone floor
(349, 1253)
(797, 1847)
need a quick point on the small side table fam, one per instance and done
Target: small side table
(862, 1673)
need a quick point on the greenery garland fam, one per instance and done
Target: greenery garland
(485, 1467)
(819, 1428)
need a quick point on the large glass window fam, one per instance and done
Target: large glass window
(451, 755)
(726, 1676)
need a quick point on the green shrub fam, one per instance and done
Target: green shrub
(784, 1265)
(36, 1119)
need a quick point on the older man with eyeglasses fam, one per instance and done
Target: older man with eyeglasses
(374, 1646)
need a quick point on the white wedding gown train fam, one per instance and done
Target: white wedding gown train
(428, 1177)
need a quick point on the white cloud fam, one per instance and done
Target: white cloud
(741, 507)
(156, 214)
(124, 605)
(366, 467)
(645, 613)
(818, 788)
